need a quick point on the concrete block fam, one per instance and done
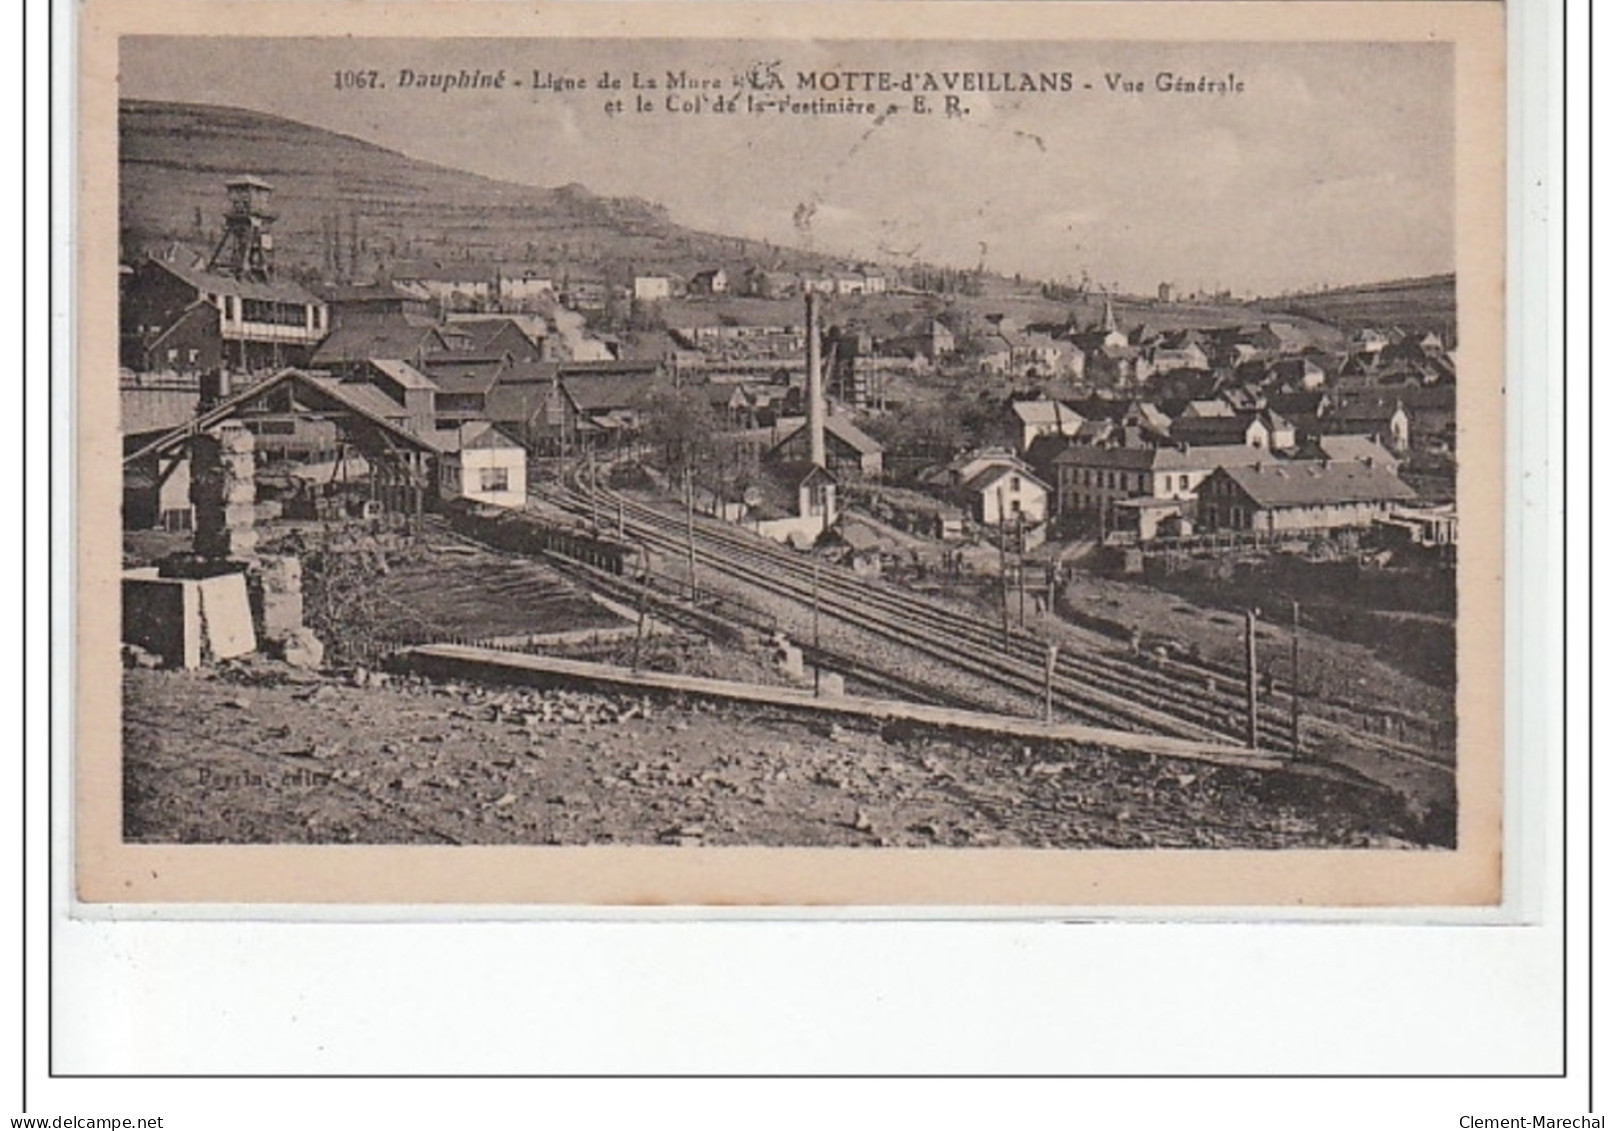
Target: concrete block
(832, 683)
(226, 616)
(163, 616)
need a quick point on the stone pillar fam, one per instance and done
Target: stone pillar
(223, 491)
(280, 583)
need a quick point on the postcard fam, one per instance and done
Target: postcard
(902, 455)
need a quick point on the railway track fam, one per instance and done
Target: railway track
(1104, 693)
(670, 608)
(1166, 697)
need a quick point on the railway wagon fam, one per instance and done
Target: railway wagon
(531, 534)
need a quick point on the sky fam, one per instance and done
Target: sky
(1333, 164)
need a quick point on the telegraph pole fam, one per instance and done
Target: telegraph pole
(644, 586)
(1020, 564)
(1051, 657)
(689, 527)
(1250, 678)
(594, 505)
(816, 653)
(1003, 569)
(1295, 678)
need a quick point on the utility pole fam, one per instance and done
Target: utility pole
(644, 586)
(622, 520)
(689, 527)
(1050, 659)
(594, 504)
(1003, 569)
(816, 652)
(1020, 564)
(1250, 678)
(1295, 678)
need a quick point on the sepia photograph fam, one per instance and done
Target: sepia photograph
(990, 457)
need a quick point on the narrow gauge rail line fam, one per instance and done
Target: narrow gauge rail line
(942, 634)
(673, 610)
(1106, 690)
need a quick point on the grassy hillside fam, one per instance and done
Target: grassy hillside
(1429, 303)
(174, 158)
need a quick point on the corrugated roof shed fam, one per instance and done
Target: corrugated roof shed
(1317, 483)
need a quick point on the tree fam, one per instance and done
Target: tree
(679, 423)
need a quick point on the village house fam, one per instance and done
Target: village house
(978, 480)
(407, 387)
(1368, 340)
(1246, 428)
(585, 293)
(526, 403)
(519, 287)
(351, 348)
(480, 464)
(652, 288)
(1043, 356)
(1379, 416)
(1297, 374)
(933, 341)
(603, 403)
(1298, 496)
(1182, 349)
(374, 302)
(1030, 419)
(1301, 409)
(759, 282)
(994, 355)
(1432, 413)
(712, 281)
(1139, 487)
(1006, 493)
(462, 392)
(522, 337)
(452, 286)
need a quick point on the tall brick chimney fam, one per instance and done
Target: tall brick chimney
(815, 384)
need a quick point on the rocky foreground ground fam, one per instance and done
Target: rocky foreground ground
(256, 752)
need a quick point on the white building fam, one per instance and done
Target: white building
(480, 464)
(520, 286)
(1007, 493)
(652, 288)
